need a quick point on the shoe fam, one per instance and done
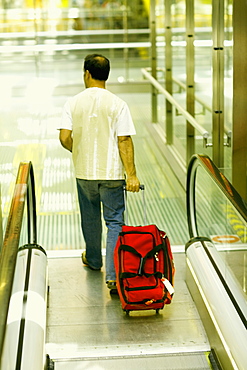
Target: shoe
(112, 285)
(85, 262)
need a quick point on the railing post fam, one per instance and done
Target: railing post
(125, 39)
(153, 58)
(218, 82)
(190, 68)
(239, 142)
(168, 69)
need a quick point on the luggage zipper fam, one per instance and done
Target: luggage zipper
(140, 288)
(156, 256)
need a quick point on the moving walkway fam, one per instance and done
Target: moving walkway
(86, 327)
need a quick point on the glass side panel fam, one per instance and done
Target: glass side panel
(218, 219)
(44, 37)
(43, 16)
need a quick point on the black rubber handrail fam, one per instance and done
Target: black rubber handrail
(24, 192)
(219, 180)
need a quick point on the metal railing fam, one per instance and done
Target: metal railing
(170, 98)
(205, 134)
(205, 108)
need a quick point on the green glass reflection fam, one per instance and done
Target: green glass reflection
(219, 220)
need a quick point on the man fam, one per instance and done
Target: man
(97, 127)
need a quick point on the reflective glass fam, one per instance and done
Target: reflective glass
(47, 35)
(218, 219)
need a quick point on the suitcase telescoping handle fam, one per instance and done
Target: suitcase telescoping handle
(142, 187)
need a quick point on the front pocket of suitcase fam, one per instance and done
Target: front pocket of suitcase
(141, 290)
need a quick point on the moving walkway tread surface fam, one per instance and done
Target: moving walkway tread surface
(87, 329)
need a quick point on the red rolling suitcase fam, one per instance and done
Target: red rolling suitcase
(144, 268)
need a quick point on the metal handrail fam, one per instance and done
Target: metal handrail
(72, 33)
(171, 99)
(72, 47)
(88, 32)
(200, 101)
(183, 86)
(24, 191)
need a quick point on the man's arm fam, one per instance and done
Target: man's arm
(126, 151)
(66, 139)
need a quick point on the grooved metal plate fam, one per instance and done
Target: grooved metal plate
(179, 361)
(86, 322)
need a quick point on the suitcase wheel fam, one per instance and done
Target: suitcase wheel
(128, 311)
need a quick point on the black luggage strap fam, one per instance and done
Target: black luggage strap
(143, 260)
(150, 254)
(127, 275)
(128, 248)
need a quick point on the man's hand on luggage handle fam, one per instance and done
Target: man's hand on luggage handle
(133, 184)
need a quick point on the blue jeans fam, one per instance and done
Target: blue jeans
(90, 195)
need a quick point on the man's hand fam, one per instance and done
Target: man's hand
(132, 184)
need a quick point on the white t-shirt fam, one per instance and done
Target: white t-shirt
(97, 117)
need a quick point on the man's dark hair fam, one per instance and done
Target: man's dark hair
(98, 66)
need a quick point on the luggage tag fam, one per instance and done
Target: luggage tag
(168, 285)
